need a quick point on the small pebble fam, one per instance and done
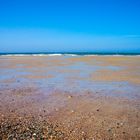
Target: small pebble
(121, 124)
(123, 132)
(72, 111)
(114, 134)
(109, 130)
(69, 96)
(83, 132)
(118, 123)
(34, 134)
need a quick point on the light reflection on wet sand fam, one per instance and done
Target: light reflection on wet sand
(93, 73)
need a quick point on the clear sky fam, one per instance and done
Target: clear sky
(70, 25)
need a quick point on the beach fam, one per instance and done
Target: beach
(70, 97)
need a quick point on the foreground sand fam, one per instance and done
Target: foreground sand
(71, 98)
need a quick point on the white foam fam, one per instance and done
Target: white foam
(59, 54)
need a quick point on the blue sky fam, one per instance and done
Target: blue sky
(70, 25)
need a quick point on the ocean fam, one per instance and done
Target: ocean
(67, 54)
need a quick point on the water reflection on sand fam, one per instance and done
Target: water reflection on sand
(73, 74)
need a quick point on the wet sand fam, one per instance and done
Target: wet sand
(70, 98)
